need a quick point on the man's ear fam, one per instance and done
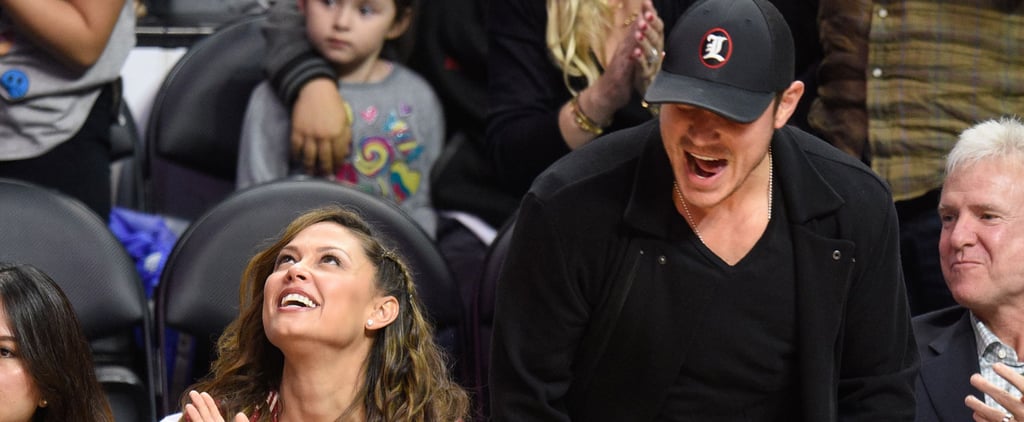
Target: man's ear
(787, 103)
(385, 311)
(401, 24)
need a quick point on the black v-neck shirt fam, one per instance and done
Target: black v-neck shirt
(741, 364)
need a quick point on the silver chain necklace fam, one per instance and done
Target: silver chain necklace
(686, 209)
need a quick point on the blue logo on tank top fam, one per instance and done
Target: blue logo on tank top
(15, 82)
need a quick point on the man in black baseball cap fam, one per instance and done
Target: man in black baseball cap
(728, 57)
(715, 264)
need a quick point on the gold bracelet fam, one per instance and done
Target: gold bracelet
(582, 120)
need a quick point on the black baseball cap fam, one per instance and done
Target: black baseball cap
(727, 56)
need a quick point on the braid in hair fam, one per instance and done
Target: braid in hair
(407, 376)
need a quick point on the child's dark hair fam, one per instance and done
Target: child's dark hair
(400, 48)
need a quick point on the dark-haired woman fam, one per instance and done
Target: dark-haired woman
(331, 329)
(46, 368)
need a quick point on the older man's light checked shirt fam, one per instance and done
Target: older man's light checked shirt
(990, 351)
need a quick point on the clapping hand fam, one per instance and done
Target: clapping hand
(204, 409)
(649, 32)
(633, 63)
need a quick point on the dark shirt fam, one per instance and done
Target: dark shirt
(741, 364)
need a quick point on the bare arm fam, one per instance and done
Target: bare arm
(74, 31)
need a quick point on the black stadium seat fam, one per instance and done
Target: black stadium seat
(482, 319)
(198, 291)
(195, 123)
(62, 237)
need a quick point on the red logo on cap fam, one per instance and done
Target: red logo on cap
(716, 48)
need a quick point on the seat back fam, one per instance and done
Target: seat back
(194, 127)
(126, 152)
(483, 314)
(62, 237)
(199, 13)
(198, 291)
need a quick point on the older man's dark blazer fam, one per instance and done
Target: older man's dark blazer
(949, 355)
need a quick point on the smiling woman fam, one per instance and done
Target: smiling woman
(331, 328)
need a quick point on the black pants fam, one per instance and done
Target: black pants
(78, 167)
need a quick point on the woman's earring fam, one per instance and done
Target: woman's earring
(43, 403)
(369, 323)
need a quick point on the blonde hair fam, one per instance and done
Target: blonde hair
(574, 36)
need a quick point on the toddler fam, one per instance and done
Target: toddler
(397, 121)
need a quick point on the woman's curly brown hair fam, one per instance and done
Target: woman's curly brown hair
(405, 378)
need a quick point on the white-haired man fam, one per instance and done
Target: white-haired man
(970, 353)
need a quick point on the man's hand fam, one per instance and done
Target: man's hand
(1012, 403)
(321, 128)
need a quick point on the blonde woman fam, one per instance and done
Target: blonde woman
(563, 72)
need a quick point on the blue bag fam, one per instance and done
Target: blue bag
(148, 241)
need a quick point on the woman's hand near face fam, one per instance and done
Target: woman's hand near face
(613, 87)
(633, 63)
(204, 409)
(650, 35)
(1014, 406)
